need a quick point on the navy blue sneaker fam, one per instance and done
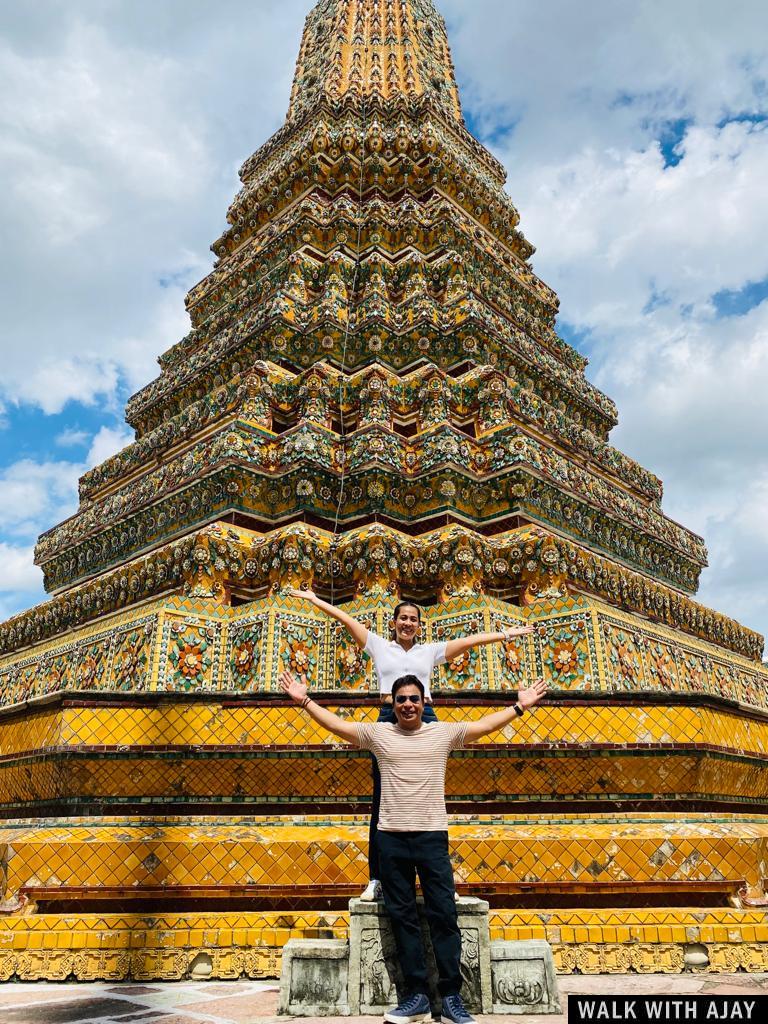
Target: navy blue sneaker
(454, 1011)
(412, 1009)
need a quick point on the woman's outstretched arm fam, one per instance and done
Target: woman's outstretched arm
(455, 648)
(358, 631)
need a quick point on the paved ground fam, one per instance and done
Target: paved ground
(254, 1002)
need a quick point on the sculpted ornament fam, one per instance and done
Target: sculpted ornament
(377, 560)
(375, 399)
(434, 398)
(374, 232)
(294, 555)
(459, 557)
(544, 573)
(206, 571)
(257, 403)
(518, 993)
(494, 397)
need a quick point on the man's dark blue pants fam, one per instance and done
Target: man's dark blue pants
(403, 855)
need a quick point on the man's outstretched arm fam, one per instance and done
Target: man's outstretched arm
(492, 723)
(297, 691)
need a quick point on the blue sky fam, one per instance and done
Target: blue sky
(636, 139)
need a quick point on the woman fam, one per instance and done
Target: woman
(392, 659)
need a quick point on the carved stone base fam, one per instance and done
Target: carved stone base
(314, 978)
(375, 982)
(524, 978)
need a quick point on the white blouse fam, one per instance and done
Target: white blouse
(391, 661)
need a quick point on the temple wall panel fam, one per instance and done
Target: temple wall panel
(185, 646)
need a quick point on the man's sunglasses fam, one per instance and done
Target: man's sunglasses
(414, 698)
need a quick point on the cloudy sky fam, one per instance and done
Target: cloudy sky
(635, 133)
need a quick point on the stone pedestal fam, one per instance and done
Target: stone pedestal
(332, 978)
(375, 982)
(524, 979)
(314, 978)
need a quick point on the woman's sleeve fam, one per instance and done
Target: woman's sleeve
(374, 645)
(438, 653)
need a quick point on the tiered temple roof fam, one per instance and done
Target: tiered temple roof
(373, 343)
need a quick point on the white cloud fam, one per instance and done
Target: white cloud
(618, 227)
(71, 437)
(19, 573)
(604, 74)
(21, 582)
(56, 380)
(121, 126)
(95, 117)
(638, 250)
(107, 443)
(34, 496)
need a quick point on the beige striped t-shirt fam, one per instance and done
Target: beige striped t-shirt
(412, 766)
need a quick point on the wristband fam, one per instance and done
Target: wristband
(518, 710)
(307, 700)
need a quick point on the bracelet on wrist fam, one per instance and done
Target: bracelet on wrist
(307, 700)
(518, 710)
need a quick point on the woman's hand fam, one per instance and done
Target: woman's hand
(528, 698)
(296, 690)
(514, 631)
(357, 629)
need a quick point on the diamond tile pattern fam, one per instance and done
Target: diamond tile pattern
(323, 856)
(202, 445)
(346, 778)
(213, 724)
(656, 924)
(265, 753)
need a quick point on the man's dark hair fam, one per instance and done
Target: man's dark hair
(406, 604)
(407, 681)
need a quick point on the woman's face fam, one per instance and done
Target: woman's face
(407, 624)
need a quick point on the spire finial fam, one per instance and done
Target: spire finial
(391, 49)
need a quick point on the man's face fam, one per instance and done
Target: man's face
(407, 625)
(409, 707)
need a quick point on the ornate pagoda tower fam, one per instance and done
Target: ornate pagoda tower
(373, 401)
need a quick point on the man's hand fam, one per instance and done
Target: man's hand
(500, 719)
(296, 690)
(514, 631)
(528, 698)
(307, 595)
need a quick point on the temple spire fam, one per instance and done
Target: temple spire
(374, 48)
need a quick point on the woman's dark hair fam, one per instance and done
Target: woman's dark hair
(407, 681)
(406, 604)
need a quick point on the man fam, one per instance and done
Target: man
(392, 659)
(413, 829)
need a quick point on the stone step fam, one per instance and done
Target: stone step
(304, 858)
